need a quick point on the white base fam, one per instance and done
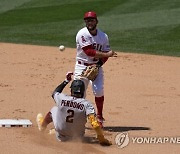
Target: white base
(15, 123)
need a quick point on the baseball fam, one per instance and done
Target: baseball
(61, 47)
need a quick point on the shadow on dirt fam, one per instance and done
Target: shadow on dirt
(92, 140)
(124, 129)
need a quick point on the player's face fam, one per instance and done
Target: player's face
(91, 23)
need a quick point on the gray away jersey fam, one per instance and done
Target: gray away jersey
(70, 115)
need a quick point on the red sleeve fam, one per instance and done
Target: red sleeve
(89, 51)
(104, 59)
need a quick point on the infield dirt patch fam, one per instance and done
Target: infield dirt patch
(142, 97)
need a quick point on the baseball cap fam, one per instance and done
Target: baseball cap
(90, 14)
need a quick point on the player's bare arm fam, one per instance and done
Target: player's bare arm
(105, 54)
(98, 54)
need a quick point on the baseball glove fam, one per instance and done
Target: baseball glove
(90, 72)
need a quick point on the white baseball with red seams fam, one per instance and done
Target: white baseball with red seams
(61, 47)
(100, 42)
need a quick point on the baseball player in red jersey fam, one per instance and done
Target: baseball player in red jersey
(93, 48)
(70, 113)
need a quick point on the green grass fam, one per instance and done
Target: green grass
(141, 26)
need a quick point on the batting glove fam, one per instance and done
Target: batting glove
(68, 76)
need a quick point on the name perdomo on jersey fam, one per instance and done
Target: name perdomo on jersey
(72, 104)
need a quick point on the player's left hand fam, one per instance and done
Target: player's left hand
(69, 76)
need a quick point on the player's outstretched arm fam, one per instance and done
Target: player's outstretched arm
(63, 84)
(105, 54)
(90, 51)
(94, 123)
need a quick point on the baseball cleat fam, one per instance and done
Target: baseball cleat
(100, 120)
(39, 120)
(100, 124)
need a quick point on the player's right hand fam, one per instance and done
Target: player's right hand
(112, 53)
(69, 76)
(103, 141)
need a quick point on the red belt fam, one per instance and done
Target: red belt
(86, 64)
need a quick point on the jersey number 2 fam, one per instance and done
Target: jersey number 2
(70, 116)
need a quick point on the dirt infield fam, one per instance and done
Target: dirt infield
(142, 97)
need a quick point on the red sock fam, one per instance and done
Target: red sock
(99, 104)
(47, 119)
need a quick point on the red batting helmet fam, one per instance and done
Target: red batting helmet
(90, 14)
